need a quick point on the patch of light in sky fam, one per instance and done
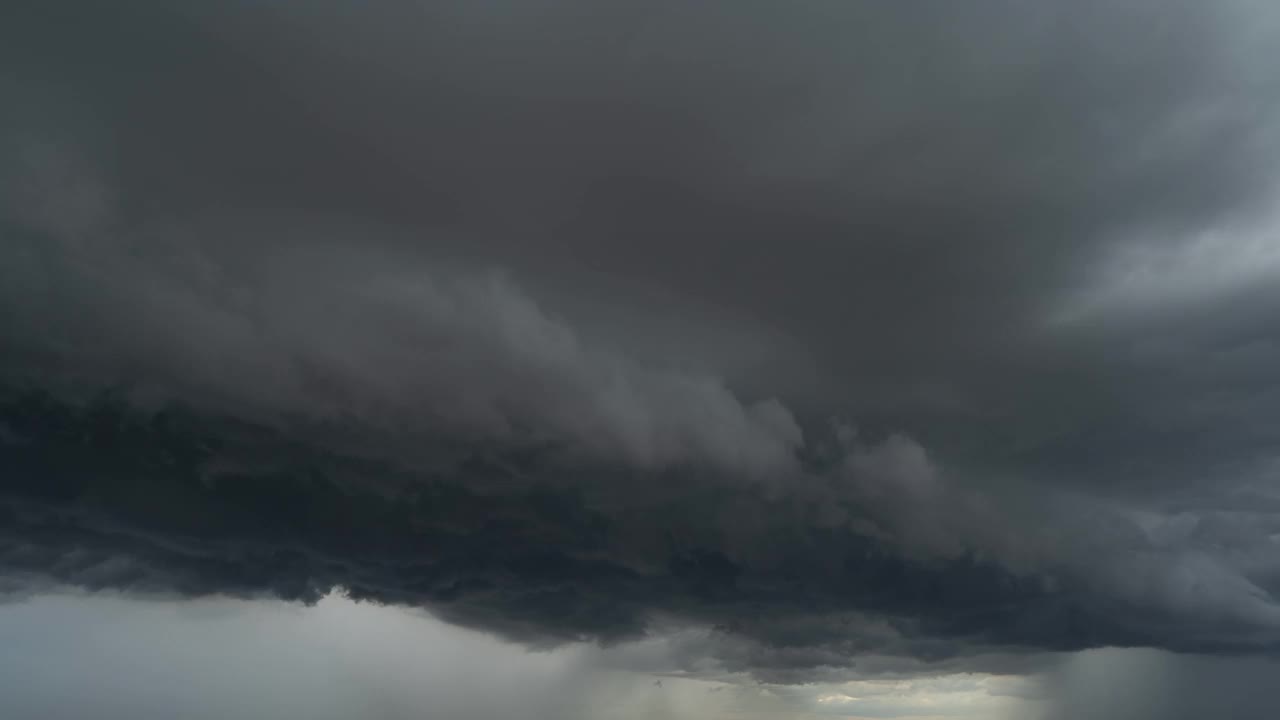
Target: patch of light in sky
(115, 657)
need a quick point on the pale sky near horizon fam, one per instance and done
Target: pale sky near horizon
(107, 656)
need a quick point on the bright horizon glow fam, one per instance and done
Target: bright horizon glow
(341, 658)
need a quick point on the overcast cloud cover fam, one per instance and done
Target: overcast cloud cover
(816, 341)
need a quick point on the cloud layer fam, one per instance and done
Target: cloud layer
(850, 332)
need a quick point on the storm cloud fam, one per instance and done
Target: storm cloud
(846, 333)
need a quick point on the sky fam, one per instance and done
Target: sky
(619, 359)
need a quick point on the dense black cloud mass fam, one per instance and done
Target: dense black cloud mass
(106, 497)
(101, 496)
(557, 317)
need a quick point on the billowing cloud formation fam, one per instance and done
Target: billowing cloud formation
(551, 318)
(330, 334)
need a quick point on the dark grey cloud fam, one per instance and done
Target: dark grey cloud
(557, 318)
(102, 496)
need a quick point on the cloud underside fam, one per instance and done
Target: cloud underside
(938, 333)
(105, 497)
